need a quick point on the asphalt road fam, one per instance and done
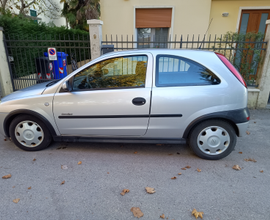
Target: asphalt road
(92, 189)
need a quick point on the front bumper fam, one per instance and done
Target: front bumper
(242, 128)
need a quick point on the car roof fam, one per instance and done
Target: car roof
(156, 51)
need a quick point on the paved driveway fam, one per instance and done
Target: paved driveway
(92, 189)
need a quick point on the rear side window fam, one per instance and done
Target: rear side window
(179, 71)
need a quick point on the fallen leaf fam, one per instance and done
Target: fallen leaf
(250, 159)
(80, 162)
(240, 152)
(179, 173)
(236, 167)
(136, 212)
(59, 148)
(162, 216)
(16, 200)
(135, 152)
(124, 191)
(197, 214)
(254, 122)
(173, 178)
(5, 139)
(29, 187)
(199, 170)
(108, 173)
(183, 168)
(13, 186)
(34, 159)
(170, 154)
(63, 182)
(6, 176)
(261, 171)
(248, 133)
(150, 190)
(188, 167)
(64, 167)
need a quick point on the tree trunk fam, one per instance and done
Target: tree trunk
(4, 4)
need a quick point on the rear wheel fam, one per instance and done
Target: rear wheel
(212, 139)
(29, 133)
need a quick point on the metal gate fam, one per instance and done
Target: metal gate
(28, 57)
(245, 52)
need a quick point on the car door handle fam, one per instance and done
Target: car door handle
(138, 101)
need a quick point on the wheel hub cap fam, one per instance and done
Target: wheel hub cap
(213, 140)
(29, 133)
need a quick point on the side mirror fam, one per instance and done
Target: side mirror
(66, 87)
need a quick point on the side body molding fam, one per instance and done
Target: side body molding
(15, 113)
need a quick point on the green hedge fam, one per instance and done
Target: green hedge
(25, 27)
(27, 40)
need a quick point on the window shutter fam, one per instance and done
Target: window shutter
(153, 17)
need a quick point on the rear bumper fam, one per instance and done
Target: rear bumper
(242, 128)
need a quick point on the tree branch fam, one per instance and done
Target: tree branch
(32, 2)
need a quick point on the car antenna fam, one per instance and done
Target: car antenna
(206, 33)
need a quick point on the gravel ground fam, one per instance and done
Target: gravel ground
(92, 189)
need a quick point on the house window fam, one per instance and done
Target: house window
(159, 37)
(33, 13)
(153, 27)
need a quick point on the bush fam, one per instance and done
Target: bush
(245, 52)
(27, 40)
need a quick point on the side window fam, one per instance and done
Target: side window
(120, 72)
(179, 71)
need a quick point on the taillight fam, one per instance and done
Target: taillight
(231, 68)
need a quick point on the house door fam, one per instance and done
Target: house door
(252, 21)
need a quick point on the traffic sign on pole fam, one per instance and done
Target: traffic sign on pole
(52, 53)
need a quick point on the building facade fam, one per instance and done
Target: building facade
(151, 19)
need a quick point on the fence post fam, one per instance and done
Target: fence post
(264, 81)
(5, 79)
(95, 31)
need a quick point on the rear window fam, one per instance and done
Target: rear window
(179, 71)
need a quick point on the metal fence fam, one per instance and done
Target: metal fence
(28, 57)
(246, 52)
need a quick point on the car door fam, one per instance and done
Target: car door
(108, 98)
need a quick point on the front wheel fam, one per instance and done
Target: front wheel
(29, 133)
(212, 139)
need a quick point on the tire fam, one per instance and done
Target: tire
(212, 139)
(29, 133)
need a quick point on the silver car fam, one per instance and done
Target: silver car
(139, 96)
